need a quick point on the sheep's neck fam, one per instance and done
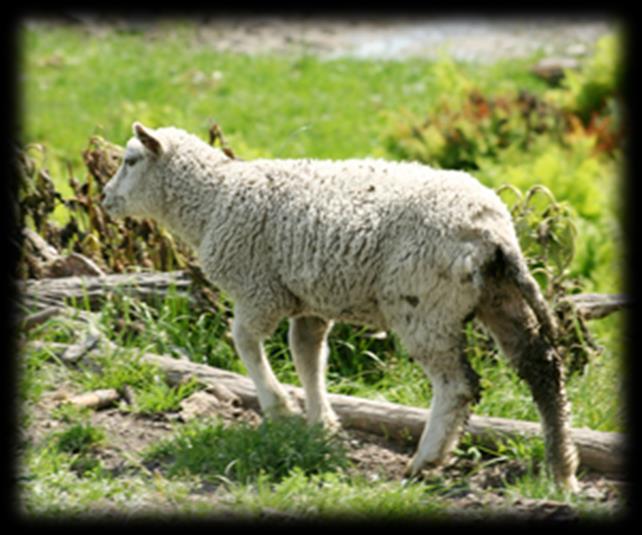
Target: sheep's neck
(187, 208)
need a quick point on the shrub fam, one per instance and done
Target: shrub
(461, 135)
(467, 127)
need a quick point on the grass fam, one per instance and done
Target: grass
(243, 453)
(334, 108)
(76, 84)
(284, 467)
(338, 496)
(79, 438)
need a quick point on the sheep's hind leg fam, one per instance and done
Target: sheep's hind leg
(308, 343)
(273, 399)
(455, 385)
(537, 362)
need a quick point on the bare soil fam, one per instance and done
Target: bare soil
(471, 487)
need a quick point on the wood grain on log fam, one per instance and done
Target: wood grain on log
(97, 399)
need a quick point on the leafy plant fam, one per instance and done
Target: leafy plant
(593, 91)
(467, 127)
(546, 232)
(459, 136)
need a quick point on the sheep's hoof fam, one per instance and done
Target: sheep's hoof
(330, 423)
(283, 409)
(569, 484)
(418, 470)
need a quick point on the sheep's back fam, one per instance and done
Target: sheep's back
(338, 231)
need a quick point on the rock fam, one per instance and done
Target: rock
(552, 69)
(223, 394)
(198, 404)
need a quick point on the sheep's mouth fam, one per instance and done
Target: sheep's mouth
(114, 206)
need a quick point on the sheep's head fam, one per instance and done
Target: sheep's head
(135, 189)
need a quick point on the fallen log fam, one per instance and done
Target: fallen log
(38, 318)
(597, 306)
(601, 451)
(598, 450)
(94, 290)
(46, 262)
(152, 286)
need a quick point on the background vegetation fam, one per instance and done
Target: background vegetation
(500, 122)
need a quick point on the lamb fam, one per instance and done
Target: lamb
(394, 245)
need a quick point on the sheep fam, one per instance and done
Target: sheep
(395, 245)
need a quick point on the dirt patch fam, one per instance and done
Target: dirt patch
(471, 488)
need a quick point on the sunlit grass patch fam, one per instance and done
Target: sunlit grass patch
(241, 452)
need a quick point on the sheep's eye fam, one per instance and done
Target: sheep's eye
(131, 160)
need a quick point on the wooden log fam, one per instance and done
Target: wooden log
(597, 306)
(94, 290)
(38, 246)
(74, 264)
(33, 320)
(601, 451)
(76, 352)
(152, 286)
(49, 263)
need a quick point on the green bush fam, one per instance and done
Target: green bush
(595, 88)
(460, 135)
(466, 127)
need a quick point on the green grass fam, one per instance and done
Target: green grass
(54, 484)
(359, 365)
(79, 438)
(124, 369)
(242, 453)
(338, 496)
(76, 84)
(284, 466)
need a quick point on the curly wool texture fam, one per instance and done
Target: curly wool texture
(397, 245)
(354, 240)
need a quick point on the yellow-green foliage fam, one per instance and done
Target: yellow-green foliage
(568, 139)
(594, 88)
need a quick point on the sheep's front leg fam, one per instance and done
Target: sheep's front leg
(309, 346)
(455, 385)
(273, 399)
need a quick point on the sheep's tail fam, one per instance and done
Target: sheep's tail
(530, 290)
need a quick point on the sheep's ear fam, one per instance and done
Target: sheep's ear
(148, 140)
